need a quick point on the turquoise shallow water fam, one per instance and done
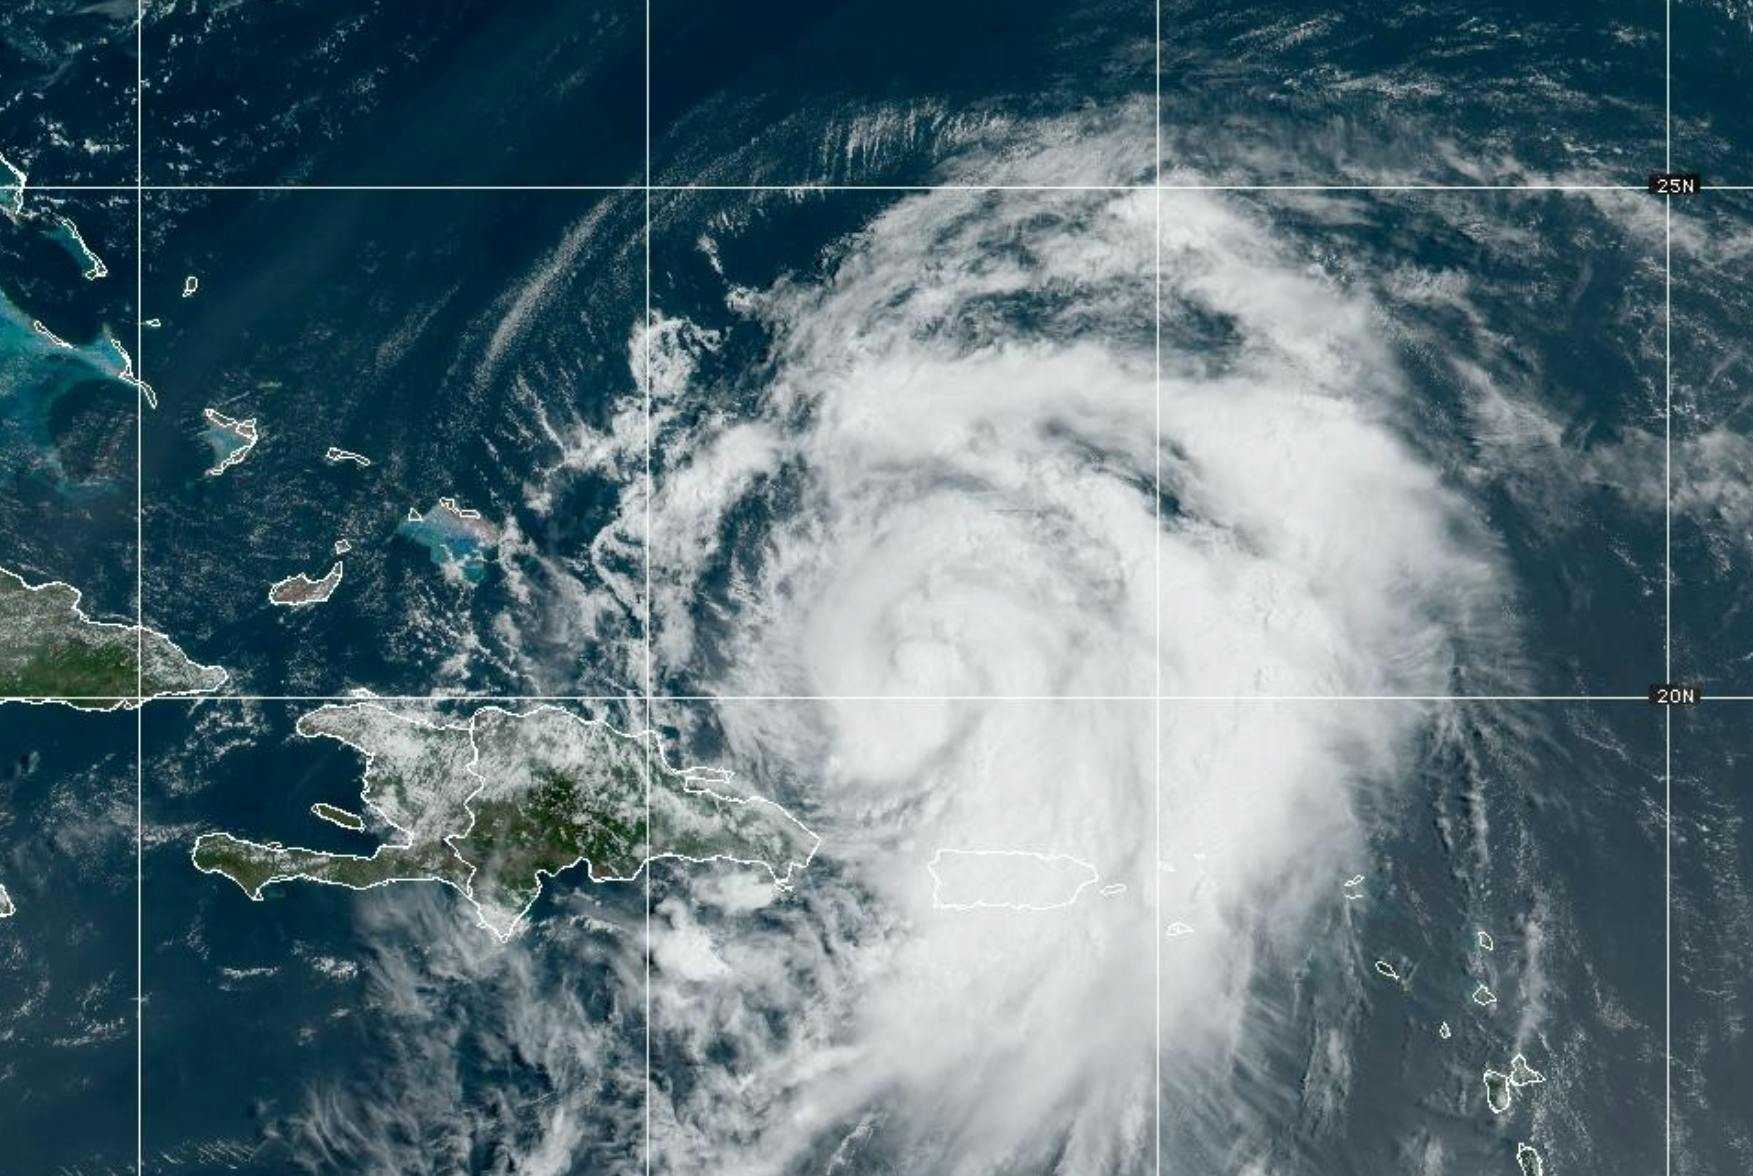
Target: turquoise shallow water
(490, 346)
(67, 414)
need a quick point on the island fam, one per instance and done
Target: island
(7, 910)
(67, 233)
(493, 804)
(51, 651)
(123, 369)
(1007, 879)
(1497, 1091)
(335, 455)
(54, 340)
(456, 537)
(1500, 1088)
(294, 591)
(11, 188)
(338, 816)
(231, 439)
(1522, 1074)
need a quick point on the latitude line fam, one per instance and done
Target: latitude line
(811, 186)
(639, 698)
(139, 699)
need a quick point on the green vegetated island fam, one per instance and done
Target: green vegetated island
(50, 650)
(493, 804)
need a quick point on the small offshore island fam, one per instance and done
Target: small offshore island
(230, 439)
(335, 455)
(7, 910)
(298, 590)
(493, 804)
(50, 650)
(338, 816)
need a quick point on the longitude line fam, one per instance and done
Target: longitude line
(1668, 676)
(1668, 942)
(651, 740)
(1156, 930)
(139, 187)
(139, 592)
(1668, 595)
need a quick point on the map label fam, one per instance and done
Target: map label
(1675, 183)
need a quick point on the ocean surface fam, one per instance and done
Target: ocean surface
(828, 387)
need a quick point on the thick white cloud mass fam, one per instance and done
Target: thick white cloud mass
(921, 541)
(955, 460)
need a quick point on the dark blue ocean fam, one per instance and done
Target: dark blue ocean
(420, 234)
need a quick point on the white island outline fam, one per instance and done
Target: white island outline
(945, 858)
(504, 925)
(217, 676)
(301, 591)
(242, 428)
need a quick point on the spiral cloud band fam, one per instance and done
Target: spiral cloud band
(957, 451)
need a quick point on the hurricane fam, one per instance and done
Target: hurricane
(991, 539)
(1122, 583)
(1026, 590)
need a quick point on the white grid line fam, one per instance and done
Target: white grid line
(1668, 594)
(1668, 941)
(650, 684)
(1156, 714)
(808, 186)
(1668, 439)
(139, 699)
(139, 590)
(135, 701)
